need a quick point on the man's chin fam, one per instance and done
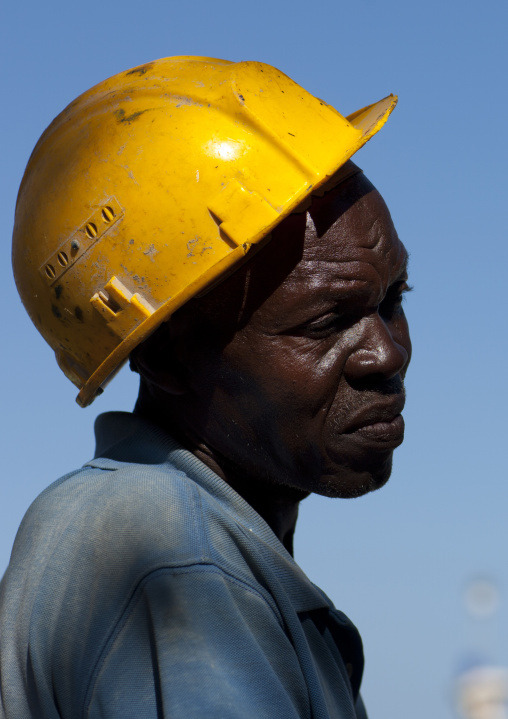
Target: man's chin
(350, 482)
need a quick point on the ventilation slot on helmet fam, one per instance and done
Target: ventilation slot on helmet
(77, 244)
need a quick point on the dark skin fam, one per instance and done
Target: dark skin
(287, 378)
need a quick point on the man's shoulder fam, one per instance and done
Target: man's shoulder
(93, 537)
(118, 507)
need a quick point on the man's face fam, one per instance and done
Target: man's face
(305, 387)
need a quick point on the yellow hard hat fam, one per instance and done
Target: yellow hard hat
(155, 183)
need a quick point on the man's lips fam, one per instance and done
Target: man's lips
(379, 423)
(385, 431)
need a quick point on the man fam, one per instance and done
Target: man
(205, 219)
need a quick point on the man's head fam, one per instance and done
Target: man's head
(290, 372)
(154, 185)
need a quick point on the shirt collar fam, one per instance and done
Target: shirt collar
(122, 437)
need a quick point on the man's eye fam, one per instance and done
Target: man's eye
(324, 326)
(393, 300)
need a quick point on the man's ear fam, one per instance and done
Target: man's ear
(157, 363)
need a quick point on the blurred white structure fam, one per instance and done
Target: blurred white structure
(482, 689)
(482, 693)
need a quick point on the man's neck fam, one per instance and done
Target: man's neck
(277, 504)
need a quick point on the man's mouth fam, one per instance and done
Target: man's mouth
(381, 422)
(383, 431)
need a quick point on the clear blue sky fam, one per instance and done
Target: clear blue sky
(396, 561)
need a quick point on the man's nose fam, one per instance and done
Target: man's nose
(380, 348)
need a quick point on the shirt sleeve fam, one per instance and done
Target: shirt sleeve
(196, 643)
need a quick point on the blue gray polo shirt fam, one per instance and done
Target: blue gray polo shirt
(142, 586)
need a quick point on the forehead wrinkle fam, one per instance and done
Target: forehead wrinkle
(346, 244)
(316, 270)
(354, 276)
(370, 227)
(330, 280)
(352, 267)
(375, 234)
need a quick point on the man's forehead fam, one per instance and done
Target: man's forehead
(347, 254)
(342, 241)
(354, 210)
